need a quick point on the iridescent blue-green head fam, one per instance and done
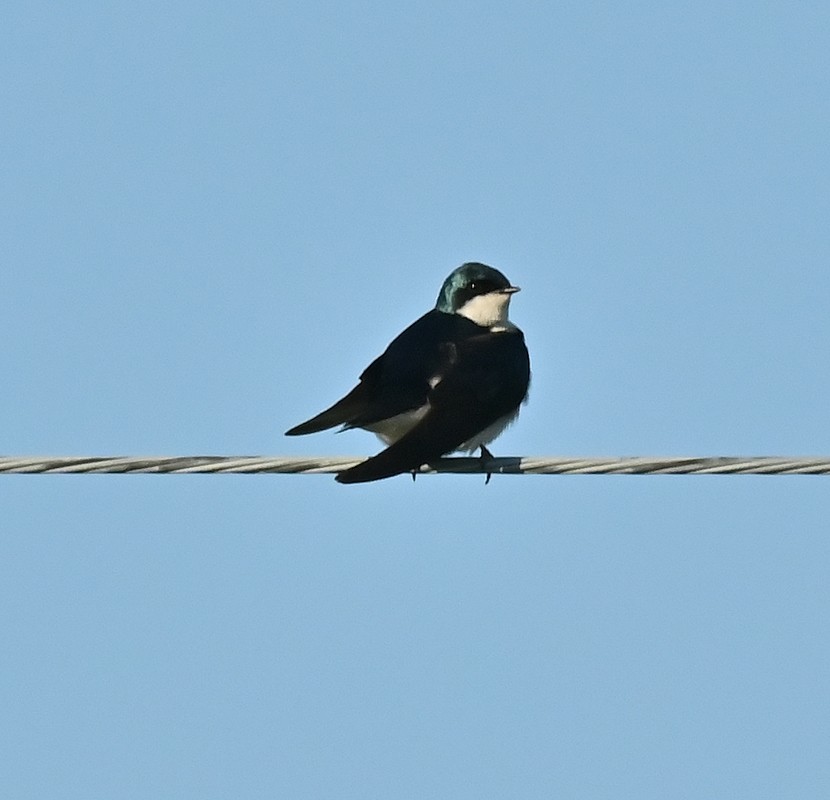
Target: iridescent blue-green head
(477, 292)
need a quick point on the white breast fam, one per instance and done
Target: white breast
(392, 429)
(489, 433)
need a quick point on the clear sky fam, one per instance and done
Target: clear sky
(214, 215)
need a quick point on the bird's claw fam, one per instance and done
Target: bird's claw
(486, 456)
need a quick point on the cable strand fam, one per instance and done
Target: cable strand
(310, 465)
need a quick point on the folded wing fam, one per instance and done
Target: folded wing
(484, 378)
(397, 381)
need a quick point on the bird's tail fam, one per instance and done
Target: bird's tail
(419, 446)
(380, 466)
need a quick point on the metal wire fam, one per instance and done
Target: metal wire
(201, 465)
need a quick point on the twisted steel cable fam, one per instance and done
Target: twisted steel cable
(189, 465)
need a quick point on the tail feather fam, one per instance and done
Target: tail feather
(430, 439)
(380, 466)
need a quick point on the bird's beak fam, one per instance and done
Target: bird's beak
(511, 290)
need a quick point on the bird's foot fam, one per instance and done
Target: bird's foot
(486, 456)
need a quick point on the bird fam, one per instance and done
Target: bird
(452, 381)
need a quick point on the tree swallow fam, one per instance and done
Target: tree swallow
(453, 380)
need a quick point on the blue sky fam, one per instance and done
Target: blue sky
(215, 215)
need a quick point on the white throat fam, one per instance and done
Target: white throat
(489, 310)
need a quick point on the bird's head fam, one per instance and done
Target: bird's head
(478, 292)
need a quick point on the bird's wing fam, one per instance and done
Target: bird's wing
(396, 381)
(485, 378)
(340, 413)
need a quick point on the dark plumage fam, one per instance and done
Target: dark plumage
(442, 383)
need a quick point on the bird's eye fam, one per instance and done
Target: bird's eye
(474, 286)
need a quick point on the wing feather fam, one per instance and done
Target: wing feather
(398, 380)
(486, 380)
